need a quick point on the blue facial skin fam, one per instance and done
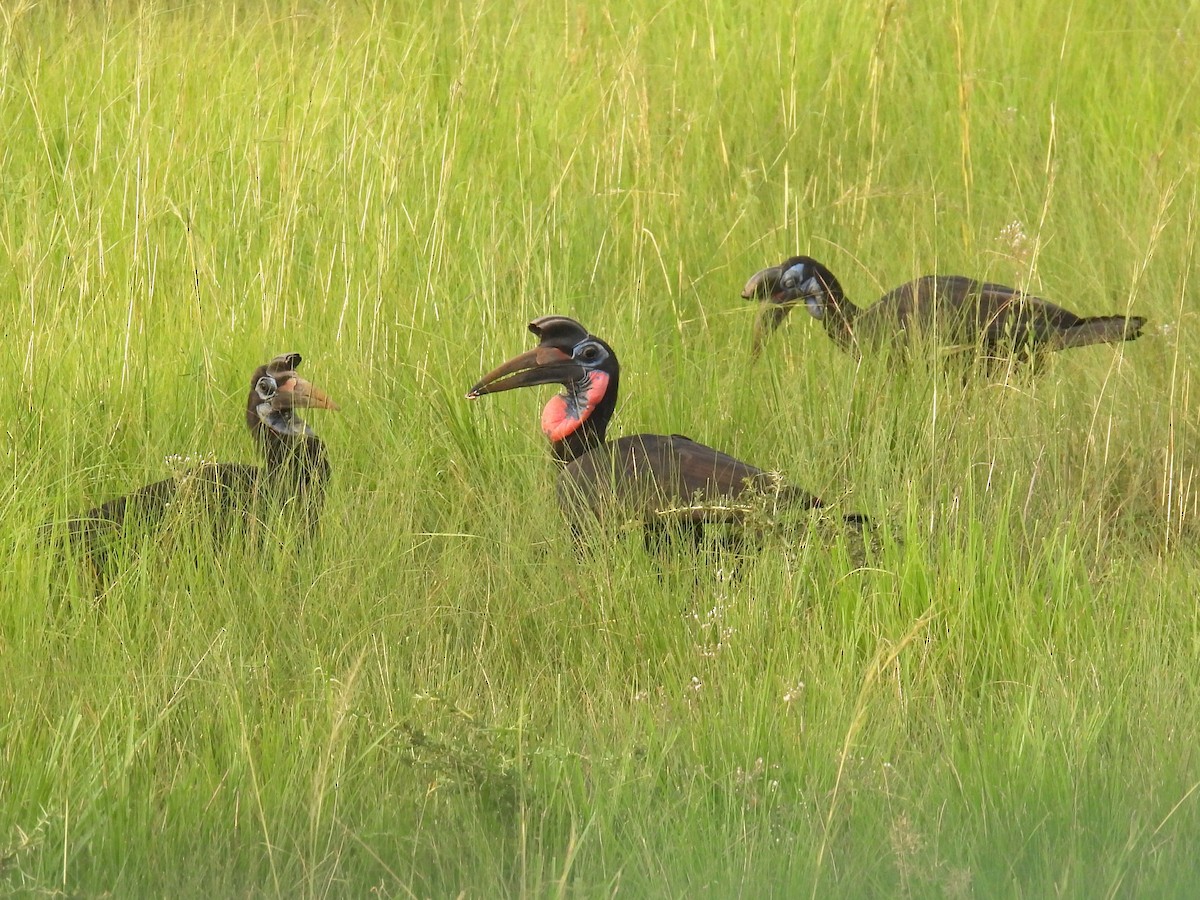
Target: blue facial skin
(808, 286)
(589, 354)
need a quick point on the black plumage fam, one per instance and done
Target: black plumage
(658, 480)
(222, 495)
(953, 311)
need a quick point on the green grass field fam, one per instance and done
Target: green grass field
(441, 697)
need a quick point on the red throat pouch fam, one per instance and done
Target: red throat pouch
(559, 419)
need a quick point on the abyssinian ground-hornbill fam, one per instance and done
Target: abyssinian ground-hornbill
(951, 310)
(292, 476)
(662, 481)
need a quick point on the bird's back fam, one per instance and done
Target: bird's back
(955, 310)
(206, 488)
(213, 495)
(654, 477)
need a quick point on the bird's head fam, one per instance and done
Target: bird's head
(800, 279)
(277, 391)
(569, 355)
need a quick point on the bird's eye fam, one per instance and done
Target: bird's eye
(265, 387)
(589, 352)
(792, 277)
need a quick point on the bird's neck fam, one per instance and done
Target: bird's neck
(839, 318)
(576, 421)
(583, 440)
(296, 461)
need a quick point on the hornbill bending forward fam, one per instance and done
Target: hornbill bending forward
(658, 480)
(952, 310)
(293, 475)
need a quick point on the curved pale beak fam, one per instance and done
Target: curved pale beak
(296, 393)
(761, 285)
(541, 365)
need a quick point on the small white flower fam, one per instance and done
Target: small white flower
(179, 463)
(1014, 239)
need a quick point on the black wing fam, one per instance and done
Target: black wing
(214, 491)
(962, 310)
(649, 476)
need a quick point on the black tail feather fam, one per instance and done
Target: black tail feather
(1102, 330)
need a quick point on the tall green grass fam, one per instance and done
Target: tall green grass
(441, 695)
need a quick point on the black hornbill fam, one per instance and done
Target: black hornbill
(951, 309)
(293, 475)
(658, 480)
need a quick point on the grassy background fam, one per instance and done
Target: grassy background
(442, 696)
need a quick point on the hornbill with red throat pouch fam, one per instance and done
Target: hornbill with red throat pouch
(293, 475)
(952, 310)
(659, 480)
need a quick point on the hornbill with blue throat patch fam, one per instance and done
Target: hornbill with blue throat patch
(952, 310)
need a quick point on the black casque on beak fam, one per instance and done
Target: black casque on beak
(548, 363)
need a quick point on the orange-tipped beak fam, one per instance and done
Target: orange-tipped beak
(296, 393)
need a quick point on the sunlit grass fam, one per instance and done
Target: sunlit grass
(442, 694)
